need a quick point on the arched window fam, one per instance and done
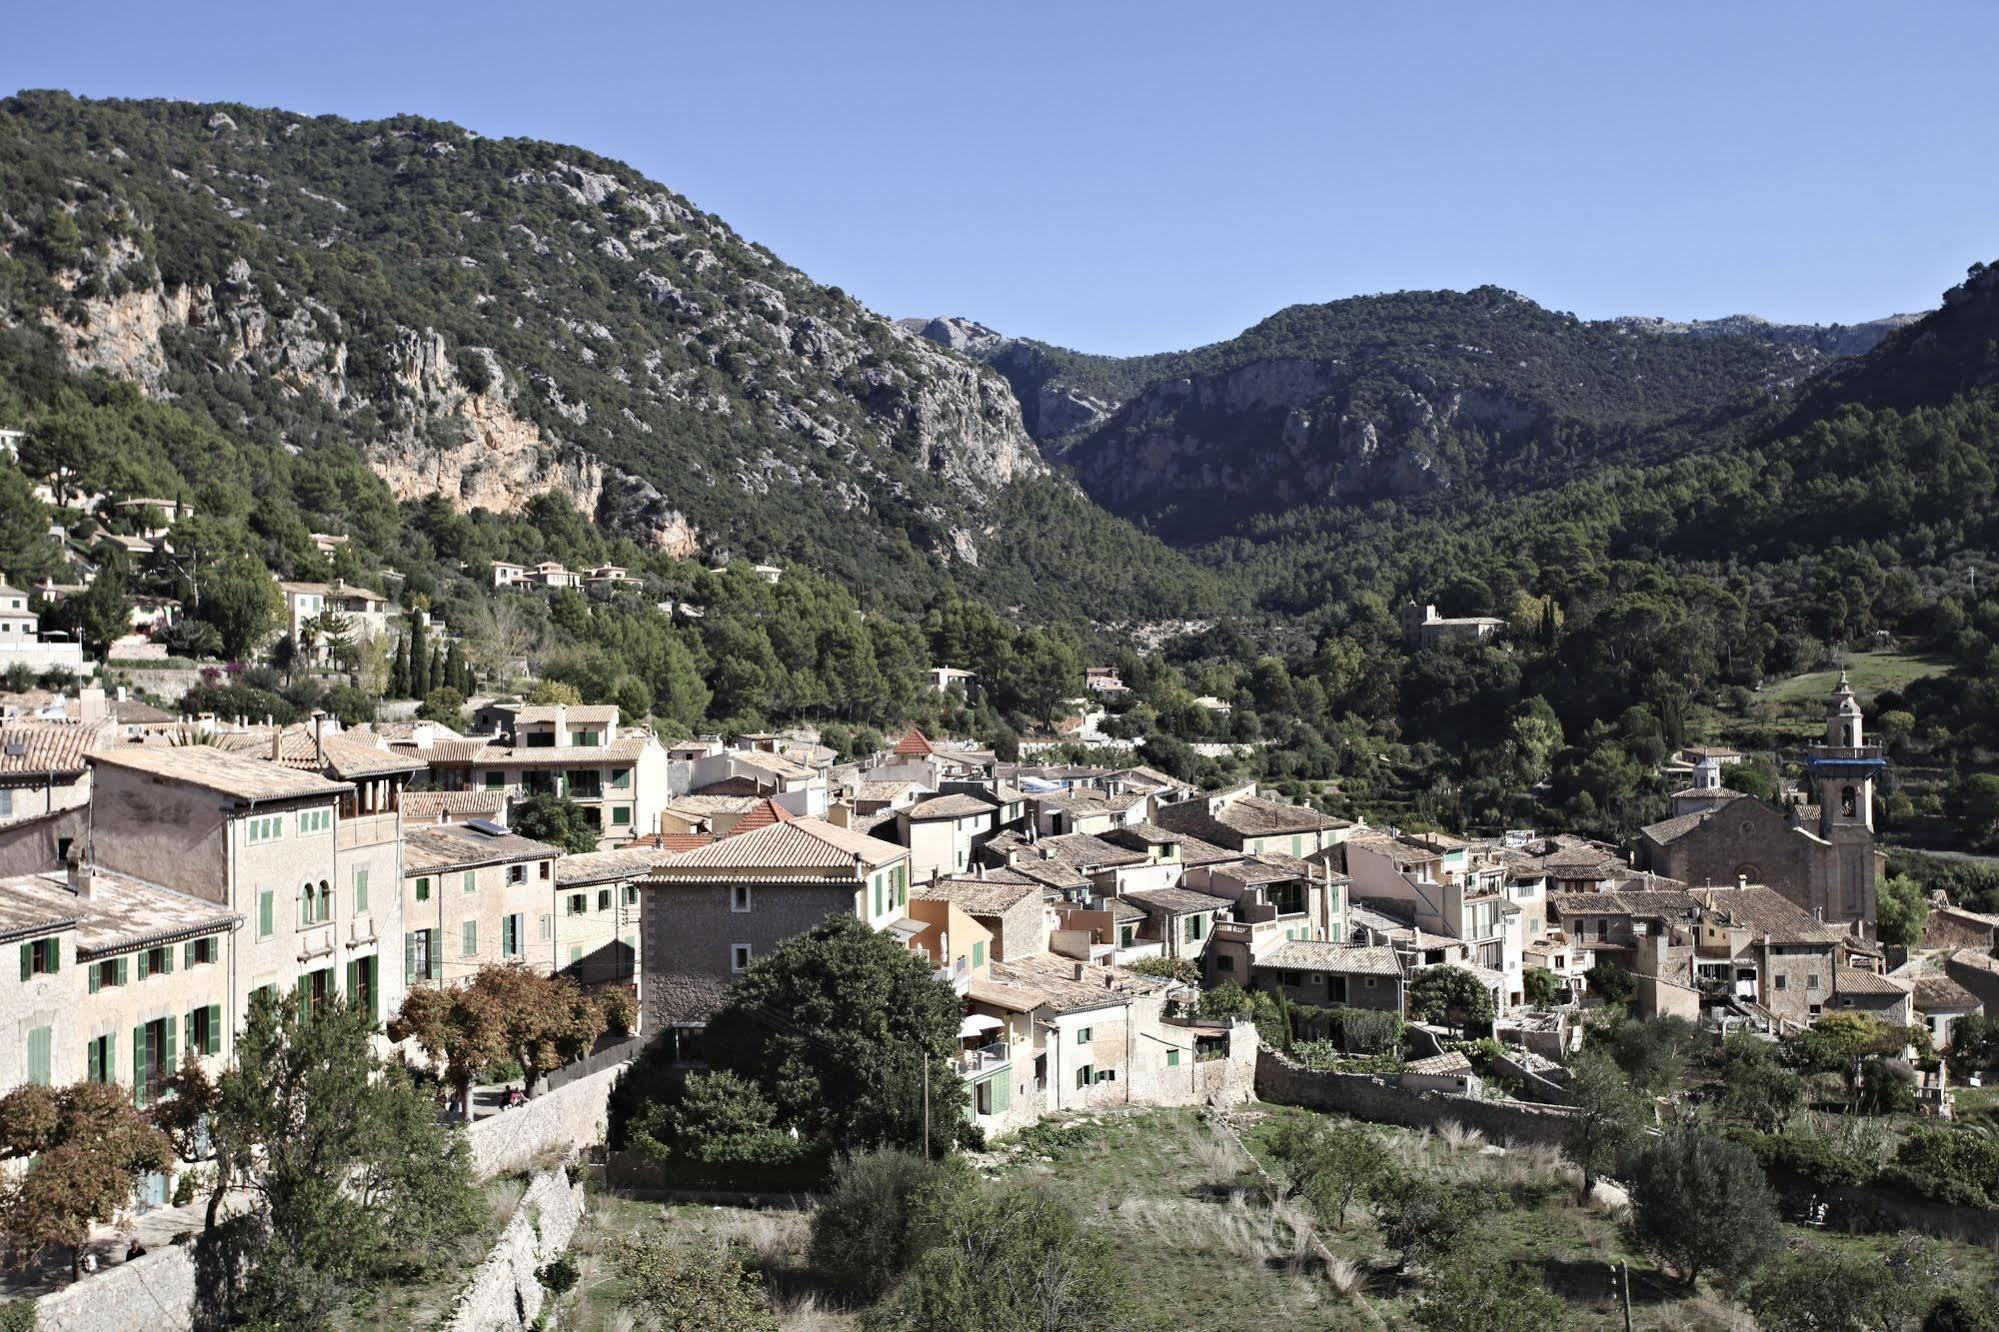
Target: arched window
(308, 904)
(1849, 802)
(1747, 872)
(325, 901)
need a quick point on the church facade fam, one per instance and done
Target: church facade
(1821, 857)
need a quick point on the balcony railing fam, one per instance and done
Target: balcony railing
(982, 1060)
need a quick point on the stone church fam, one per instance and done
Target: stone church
(1822, 857)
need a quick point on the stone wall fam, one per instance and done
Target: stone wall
(504, 1292)
(565, 1120)
(1375, 1099)
(154, 1292)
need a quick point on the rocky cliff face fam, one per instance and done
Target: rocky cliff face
(500, 320)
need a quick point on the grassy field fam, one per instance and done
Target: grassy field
(1871, 674)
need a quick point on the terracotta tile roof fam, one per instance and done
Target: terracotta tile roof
(47, 747)
(1767, 911)
(1087, 851)
(1652, 905)
(447, 846)
(1941, 994)
(1338, 958)
(1003, 994)
(793, 844)
(426, 806)
(761, 815)
(122, 913)
(625, 862)
(1447, 1064)
(674, 842)
(628, 748)
(1855, 981)
(348, 757)
(885, 790)
(1247, 816)
(217, 770)
(1055, 977)
(913, 745)
(776, 765)
(705, 806)
(1176, 901)
(579, 714)
(949, 807)
(979, 897)
(1193, 851)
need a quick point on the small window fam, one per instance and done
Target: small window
(1082, 1035)
(517, 874)
(1172, 1059)
(621, 816)
(1224, 962)
(603, 899)
(471, 881)
(1783, 982)
(631, 894)
(1811, 982)
(360, 891)
(1107, 1075)
(423, 890)
(1085, 1075)
(547, 870)
(547, 928)
(978, 952)
(578, 903)
(739, 897)
(470, 941)
(739, 957)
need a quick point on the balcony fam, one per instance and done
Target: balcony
(986, 1058)
(365, 830)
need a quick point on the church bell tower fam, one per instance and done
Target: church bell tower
(1844, 768)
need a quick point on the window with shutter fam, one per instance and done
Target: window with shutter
(266, 909)
(360, 891)
(423, 890)
(471, 939)
(38, 1056)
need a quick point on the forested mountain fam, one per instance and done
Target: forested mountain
(493, 320)
(1395, 396)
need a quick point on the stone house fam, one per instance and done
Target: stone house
(1329, 975)
(117, 979)
(264, 841)
(1010, 907)
(474, 895)
(42, 768)
(1448, 887)
(1179, 918)
(943, 832)
(1243, 821)
(600, 945)
(706, 914)
(618, 777)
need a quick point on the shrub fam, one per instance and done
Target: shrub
(1954, 1166)
(1613, 982)
(557, 1276)
(1702, 1204)
(884, 1210)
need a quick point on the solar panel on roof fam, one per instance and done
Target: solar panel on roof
(486, 826)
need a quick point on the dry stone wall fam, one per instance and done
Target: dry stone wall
(504, 1293)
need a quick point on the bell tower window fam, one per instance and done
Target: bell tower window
(1849, 802)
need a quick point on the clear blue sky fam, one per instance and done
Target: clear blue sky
(1128, 177)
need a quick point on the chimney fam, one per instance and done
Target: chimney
(1079, 966)
(318, 738)
(80, 876)
(561, 725)
(1742, 881)
(277, 744)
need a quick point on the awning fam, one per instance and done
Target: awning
(977, 1024)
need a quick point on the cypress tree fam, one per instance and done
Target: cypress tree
(399, 669)
(419, 682)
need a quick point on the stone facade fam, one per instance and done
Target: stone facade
(687, 933)
(572, 1116)
(1380, 1101)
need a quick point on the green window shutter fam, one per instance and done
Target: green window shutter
(265, 907)
(360, 891)
(123, 972)
(38, 1056)
(139, 1065)
(171, 1055)
(1172, 1059)
(214, 1029)
(187, 954)
(575, 954)
(55, 955)
(978, 952)
(93, 1059)
(350, 977)
(305, 996)
(409, 956)
(94, 984)
(143, 958)
(471, 881)
(27, 960)
(1002, 1092)
(471, 939)
(167, 961)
